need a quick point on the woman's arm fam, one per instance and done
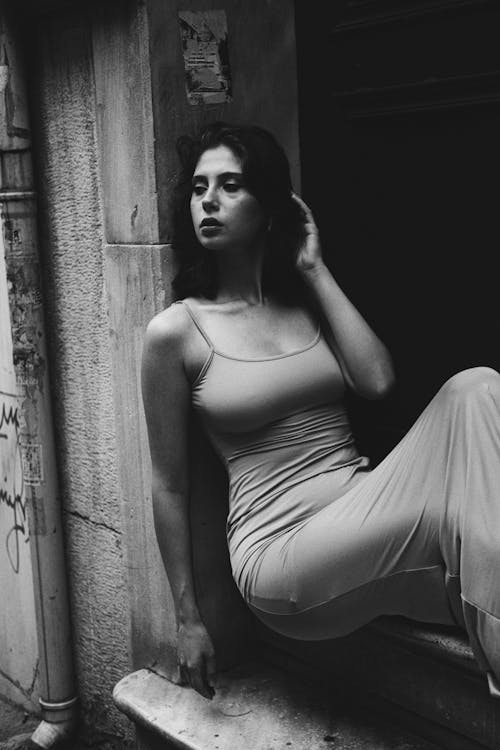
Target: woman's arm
(166, 397)
(364, 359)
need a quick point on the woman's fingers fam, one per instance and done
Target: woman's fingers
(210, 669)
(183, 674)
(303, 205)
(305, 208)
(199, 676)
(199, 681)
(196, 659)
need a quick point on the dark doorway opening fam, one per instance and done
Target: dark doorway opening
(399, 123)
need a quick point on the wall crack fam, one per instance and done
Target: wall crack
(99, 524)
(25, 693)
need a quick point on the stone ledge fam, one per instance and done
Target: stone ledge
(256, 707)
(442, 642)
(426, 670)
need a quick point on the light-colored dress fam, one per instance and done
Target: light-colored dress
(319, 543)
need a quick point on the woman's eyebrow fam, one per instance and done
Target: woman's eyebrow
(221, 177)
(230, 175)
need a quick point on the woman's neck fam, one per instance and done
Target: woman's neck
(240, 277)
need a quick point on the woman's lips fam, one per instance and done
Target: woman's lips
(211, 229)
(210, 223)
(210, 226)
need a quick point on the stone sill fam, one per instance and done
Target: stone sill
(253, 705)
(441, 642)
(256, 707)
(424, 670)
(422, 676)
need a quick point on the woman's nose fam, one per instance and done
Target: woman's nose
(209, 201)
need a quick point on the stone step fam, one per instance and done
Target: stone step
(256, 707)
(427, 671)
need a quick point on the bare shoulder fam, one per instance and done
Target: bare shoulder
(168, 329)
(165, 388)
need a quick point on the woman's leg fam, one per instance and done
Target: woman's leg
(420, 536)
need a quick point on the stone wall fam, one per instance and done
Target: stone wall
(98, 77)
(70, 205)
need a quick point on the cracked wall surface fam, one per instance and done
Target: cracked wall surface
(64, 123)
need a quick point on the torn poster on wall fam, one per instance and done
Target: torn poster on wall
(206, 61)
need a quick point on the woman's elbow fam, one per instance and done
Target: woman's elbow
(383, 390)
(380, 386)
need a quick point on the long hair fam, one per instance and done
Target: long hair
(266, 172)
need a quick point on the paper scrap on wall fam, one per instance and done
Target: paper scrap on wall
(31, 454)
(206, 62)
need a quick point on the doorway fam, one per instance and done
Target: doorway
(399, 121)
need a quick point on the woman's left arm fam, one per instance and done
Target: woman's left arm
(365, 360)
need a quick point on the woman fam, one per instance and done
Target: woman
(263, 343)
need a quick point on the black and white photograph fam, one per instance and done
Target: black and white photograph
(249, 375)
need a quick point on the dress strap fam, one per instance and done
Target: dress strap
(198, 324)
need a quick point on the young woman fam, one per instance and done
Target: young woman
(263, 343)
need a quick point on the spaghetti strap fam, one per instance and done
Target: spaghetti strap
(198, 324)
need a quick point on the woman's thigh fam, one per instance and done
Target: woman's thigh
(418, 594)
(388, 523)
(406, 527)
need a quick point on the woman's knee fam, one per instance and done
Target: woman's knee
(475, 380)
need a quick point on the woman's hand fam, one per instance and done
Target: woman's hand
(196, 657)
(309, 257)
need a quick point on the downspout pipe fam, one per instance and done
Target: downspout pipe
(18, 222)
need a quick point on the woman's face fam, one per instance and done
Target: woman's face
(224, 213)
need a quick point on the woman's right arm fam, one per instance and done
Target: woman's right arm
(166, 397)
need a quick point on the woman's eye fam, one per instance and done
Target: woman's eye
(231, 187)
(198, 189)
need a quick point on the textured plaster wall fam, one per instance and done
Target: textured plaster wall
(64, 121)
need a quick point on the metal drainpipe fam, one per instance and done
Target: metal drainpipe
(18, 223)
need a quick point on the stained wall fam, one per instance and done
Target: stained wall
(70, 205)
(19, 657)
(108, 102)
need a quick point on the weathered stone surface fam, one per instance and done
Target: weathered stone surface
(427, 670)
(64, 121)
(254, 707)
(99, 617)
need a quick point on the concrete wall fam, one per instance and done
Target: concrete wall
(64, 123)
(97, 80)
(133, 273)
(263, 69)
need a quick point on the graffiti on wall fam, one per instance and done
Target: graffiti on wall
(13, 521)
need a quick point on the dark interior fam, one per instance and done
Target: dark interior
(399, 126)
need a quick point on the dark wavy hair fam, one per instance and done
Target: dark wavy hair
(266, 172)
